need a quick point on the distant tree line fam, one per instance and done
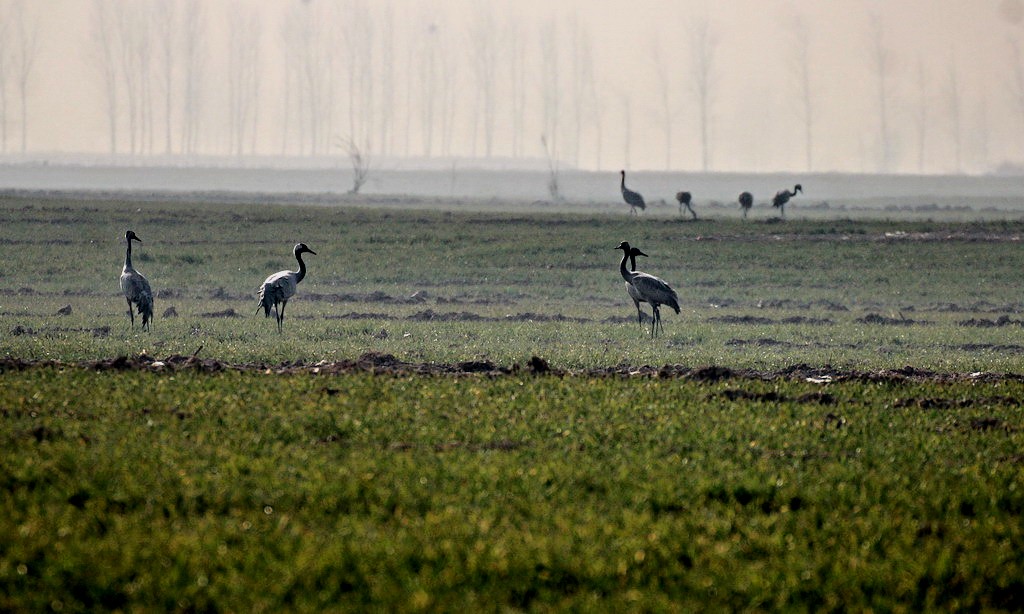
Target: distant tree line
(418, 82)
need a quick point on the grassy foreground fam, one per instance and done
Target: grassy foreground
(249, 492)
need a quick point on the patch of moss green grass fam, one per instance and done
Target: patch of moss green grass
(251, 492)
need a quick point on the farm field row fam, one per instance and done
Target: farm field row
(133, 479)
(446, 286)
(252, 492)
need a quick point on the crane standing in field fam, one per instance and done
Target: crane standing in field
(135, 286)
(685, 198)
(631, 290)
(633, 199)
(649, 288)
(279, 287)
(781, 198)
(746, 202)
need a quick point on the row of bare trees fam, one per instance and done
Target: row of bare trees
(425, 84)
(19, 49)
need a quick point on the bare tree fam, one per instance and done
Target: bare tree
(103, 54)
(386, 70)
(704, 44)
(1017, 82)
(357, 32)
(517, 83)
(921, 117)
(953, 98)
(666, 108)
(448, 71)
(550, 84)
(193, 61)
(26, 48)
(881, 63)
(134, 54)
(309, 48)
(165, 18)
(428, 85)
(243, 78)
(553, 170)
(360, 160)
(5, 68)
(582, 89)
(801, 66)
(482, 36)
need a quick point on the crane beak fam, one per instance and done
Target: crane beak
(640, 253)
(311, 251)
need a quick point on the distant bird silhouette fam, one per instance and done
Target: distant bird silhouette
(781, 198)
(633, 199)
(746, 202)
(135, 286)
(632, 291)
(649, 288)
(684, 199)
(279, 287)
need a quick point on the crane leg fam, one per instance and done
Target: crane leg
(130, 313)
(280, 323)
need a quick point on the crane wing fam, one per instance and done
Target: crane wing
(279, 287)
(655, 291)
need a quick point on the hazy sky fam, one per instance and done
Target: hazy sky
(756, 120)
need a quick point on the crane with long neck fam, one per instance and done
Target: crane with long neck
(135, 286)
(633, 199)
(631, 290)
(649, 288)
(781, 198)
(279, 287)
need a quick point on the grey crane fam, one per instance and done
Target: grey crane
(633, 199)
(279, 287)
(135, 286)
(649, 288)
(781, 198)
(631, 290)
(684, 199)
(746, 202)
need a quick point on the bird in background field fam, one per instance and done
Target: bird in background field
(781, 198)
(279, 287)
(649, 288)
(746, 202)
(135, 286)
(633, 199)
(631, 290)
(684, 199)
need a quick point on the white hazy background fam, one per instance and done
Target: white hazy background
(891, 86)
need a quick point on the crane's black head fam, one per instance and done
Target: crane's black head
(302, 248)
(624, 246)
(798, 188)
(130, 236)
(635, 251)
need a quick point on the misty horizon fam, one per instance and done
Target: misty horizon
(739, 86)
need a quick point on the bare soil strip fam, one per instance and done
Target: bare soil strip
(388, 365)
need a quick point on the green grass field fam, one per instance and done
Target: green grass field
(243, 490)
(503, 287)
(250, 492)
